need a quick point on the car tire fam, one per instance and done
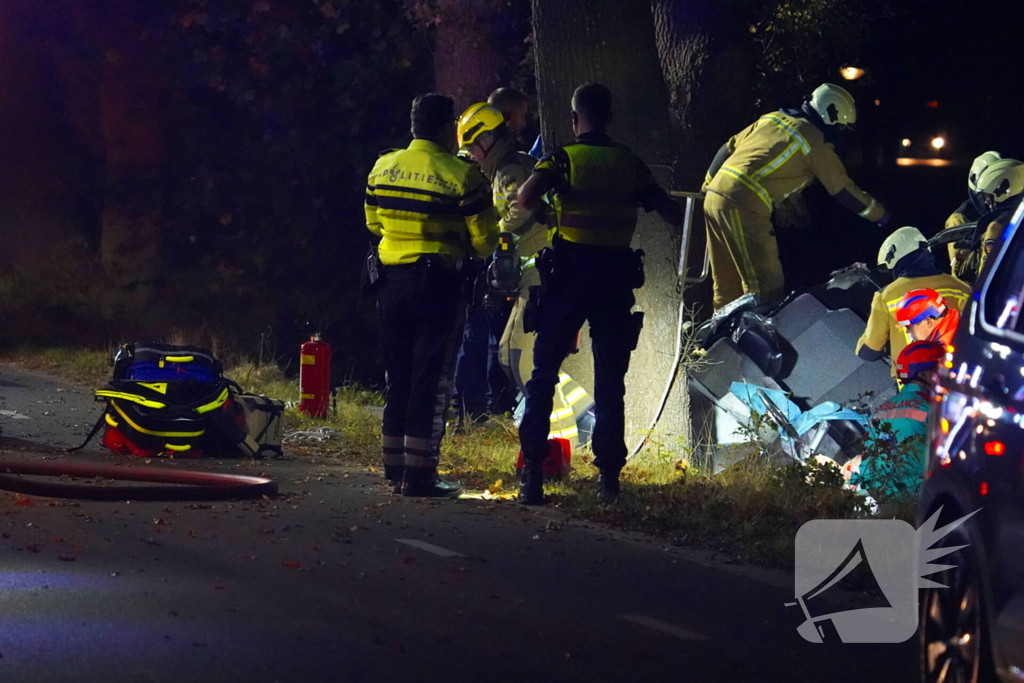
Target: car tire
(953, 636)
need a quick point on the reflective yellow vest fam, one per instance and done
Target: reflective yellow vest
(422, 200)
(598, 186)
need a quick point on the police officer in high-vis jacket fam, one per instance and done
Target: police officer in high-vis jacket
(432, 211)
(776, 156)
(590, 275)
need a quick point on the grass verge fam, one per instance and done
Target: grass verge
(751, 511)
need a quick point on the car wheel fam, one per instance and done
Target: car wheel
(953, 639)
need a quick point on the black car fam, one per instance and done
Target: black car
(974, 629)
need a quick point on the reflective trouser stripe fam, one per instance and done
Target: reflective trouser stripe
(392, 450)
(422, 453)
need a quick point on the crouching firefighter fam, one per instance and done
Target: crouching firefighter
(432, 211)
(589, 274)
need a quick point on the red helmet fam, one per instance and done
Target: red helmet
(919, 305)
(918, 357)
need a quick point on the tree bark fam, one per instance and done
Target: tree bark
(707, 68)
(477, 44)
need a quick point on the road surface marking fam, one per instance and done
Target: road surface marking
(13, 415)
(664, 627)
(429, 547)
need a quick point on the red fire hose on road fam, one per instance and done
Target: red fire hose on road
(180, 485)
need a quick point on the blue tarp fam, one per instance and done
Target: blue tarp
(802, 422)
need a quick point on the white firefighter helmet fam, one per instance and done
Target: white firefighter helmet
(1002, 180)
(834, 104)
(904, 241)
(981, 162)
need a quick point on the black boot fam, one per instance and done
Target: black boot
(608, 485)
(531, 486)
(394, 474)
(421, 483)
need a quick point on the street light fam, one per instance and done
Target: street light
(905, 142)
(851, 73)
(938, 142)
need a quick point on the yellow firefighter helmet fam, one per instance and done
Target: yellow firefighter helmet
(480, 118)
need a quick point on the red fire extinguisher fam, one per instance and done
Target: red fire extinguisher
(315, 377)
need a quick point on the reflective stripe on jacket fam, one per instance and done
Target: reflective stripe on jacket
(422, 200)
(779, 155)
(598, 185)
(508, 169)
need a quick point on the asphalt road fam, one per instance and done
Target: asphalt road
(339, 580)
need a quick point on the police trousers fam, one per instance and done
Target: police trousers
(419, 314)
(591, 284)
(744, 252)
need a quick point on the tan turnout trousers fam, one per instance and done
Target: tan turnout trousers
(744, 253)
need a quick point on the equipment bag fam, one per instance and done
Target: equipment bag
(264, 421)
(159, 400)
(156, 362)
(158, 418)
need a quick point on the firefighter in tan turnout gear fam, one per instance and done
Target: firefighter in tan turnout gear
(964, 262)
(484, 133)
(776, 156)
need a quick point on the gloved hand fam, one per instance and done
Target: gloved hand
(885, 219)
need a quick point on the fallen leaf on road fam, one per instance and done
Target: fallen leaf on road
(66, 558)
(23, 501)
(293, 565)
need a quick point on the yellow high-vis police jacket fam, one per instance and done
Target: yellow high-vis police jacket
(422, 200)
(598, 186)
(779, 155)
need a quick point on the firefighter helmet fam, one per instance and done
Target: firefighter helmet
(834, 104)
(981, 162)
(904, 241)
(1002, 180)
(918, 305)
(480, 118)
(919, 356)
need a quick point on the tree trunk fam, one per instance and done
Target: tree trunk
(708, 67)
(477, 44)
(610, 41)
(707, 70)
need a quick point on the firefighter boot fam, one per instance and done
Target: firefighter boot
(394, 474)
(608, 485)
(424, 483)
(531, 486)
